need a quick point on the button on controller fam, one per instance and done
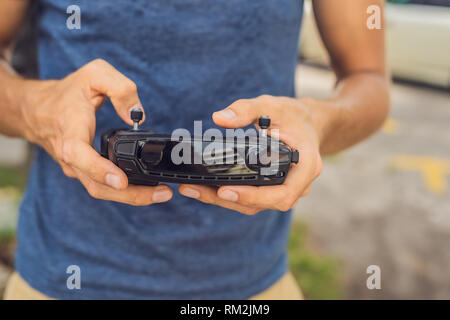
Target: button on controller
(126, 148)
(129, 166)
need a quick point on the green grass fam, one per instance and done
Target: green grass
(12, 185)
(14, 177)
(317, 275)
(333, 158)
(7, 235)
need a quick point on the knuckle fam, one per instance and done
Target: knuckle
(66, 151)
(247, 200)
(68, 172)
(240, 102)
(206, 198)
(93, 191)
(287, 201)
(319, 167)
(268, 101)
(140, 199)
(265, 98)
(94, 65)
(128, 88)
(98, 62)
(269, 104)
(251, 211)
(58, 153)
(131, 86)
(135, 199)
(285, 205)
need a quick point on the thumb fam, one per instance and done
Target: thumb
(106, 80)
(239, 114)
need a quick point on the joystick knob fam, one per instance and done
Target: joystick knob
(136, 115)
(264, 124)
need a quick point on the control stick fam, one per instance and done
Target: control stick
(264, 124)
(136, 116)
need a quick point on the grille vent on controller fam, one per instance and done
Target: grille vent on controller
(197, 177)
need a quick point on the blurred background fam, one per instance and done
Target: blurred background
(385, 202)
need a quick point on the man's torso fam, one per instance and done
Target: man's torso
(189, 58)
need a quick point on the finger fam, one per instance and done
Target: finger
(244, 112)
(268, 197)
(68, 171)
(82, 156)
(209, 195)
(107, 80)
(306, 191)
(239, 114)
(133, 195)
(280, 197)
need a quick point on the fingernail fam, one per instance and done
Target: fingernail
(229, 195)
(113, 181)
(227, 113)
(135, 107)
(191, 193)
(161, 195)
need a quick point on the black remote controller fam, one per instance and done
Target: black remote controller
(148, 158)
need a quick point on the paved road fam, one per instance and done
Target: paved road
(387, 201)
(12, 151)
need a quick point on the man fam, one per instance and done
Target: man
(189, 59)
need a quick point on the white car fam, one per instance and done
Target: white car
(418, 41)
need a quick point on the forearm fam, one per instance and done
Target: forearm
(357, 109)
(11, 100)
(12, 15)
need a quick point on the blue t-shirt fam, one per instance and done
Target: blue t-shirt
(189, 58)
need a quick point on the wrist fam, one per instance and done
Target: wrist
(11, 91)
(325, 115)
(33, 94)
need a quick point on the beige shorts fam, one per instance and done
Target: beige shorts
(285, 288)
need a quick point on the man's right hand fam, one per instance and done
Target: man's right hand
(59, 115)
